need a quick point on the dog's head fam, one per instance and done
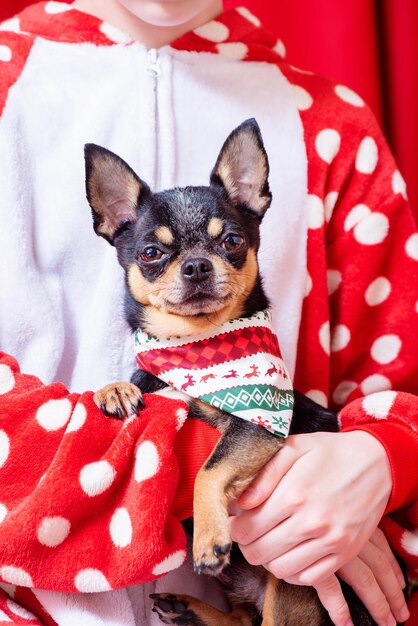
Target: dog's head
(189, 254)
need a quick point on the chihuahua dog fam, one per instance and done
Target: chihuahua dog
(190, 260)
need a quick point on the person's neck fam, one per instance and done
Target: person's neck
(150, 35)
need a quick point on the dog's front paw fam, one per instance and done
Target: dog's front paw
(211, 550)
(119, 400)
(174, 609)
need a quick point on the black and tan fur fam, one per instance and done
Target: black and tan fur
(190, 260)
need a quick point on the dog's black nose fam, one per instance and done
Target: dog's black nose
(197, 270)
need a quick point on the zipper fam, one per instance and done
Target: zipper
(153, 69)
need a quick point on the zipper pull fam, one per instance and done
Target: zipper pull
(153, 62)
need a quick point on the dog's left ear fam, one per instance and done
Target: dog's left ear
(242, 169)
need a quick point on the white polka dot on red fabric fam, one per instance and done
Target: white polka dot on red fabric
(399, 184)
(213, 31)
(343, 390)
(113, 33)
(318, 396)
(171, 562)
(7, 379)
(372, 229)
(91, 580)
(234, 51)
(409, 541)
(357, 213)
(120, 528)
(5, 53)
(96, 477)
(315, 212)
(378, 405)
(3, 512)
(334, 279)
(4, 447)
(411, 247)
(78, 418)
(4, 617)
(386, 348)
(329, 204)
(367, 156)
(19, 610)
(280, 48)
(16, 576)
(147, 461)
(308, 284)
(12, 25)
(348, 95)
(327, 144)
(303, 98)
(378, 291)
(54, 414)
(249, 16)
(374, 383)
(56, 7)
(52, 531)
(181, 416)
(340, 337)
(324, 337)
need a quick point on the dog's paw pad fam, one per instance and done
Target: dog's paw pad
(119, 400)
(173, 609)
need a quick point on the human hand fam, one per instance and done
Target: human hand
(314, 506)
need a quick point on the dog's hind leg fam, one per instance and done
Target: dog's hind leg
(188, 611)
(292, 605)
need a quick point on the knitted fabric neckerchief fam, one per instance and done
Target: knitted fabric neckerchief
(237, 368)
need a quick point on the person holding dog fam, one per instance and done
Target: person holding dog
(161, 82)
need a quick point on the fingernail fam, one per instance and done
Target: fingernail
(349, 623)
(404, 614)
(391, 621)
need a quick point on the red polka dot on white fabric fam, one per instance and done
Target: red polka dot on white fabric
(56, 7)
(378, 405)
(411, 247)
(374, 383)
(235, 51)
(19, 610)
(4, 447)
(213, 31)
(324, 337)
(7, 379)
(329, 204)
(78, 418)
(318, 396)
(357, 213)
(3, 512)
(171, 562)
(52, 531)
(91, 580)
(348, 95)
(308, 285)
(5, 53)
(315, 212)
(113, 33)
(409, 541)
(399, 184)
(343, 390)
(372, 230)
(249, 16)
(12, 25)
(181, 416)
(147, 461)
(303, 98)
(386, 348)
(378, 291)
(280, 48)
(334, 279)
(96, 477)
(54, 414)
(120, 528)
(16, 576)
(327, 144)
(367, 156)
(340, 337)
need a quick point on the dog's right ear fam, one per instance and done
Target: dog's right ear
(113, 191)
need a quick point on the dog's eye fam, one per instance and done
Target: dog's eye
(150, 254)
(233, 242)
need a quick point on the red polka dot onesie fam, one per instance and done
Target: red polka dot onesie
(88, 504)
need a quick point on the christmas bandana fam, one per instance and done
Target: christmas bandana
(238, 369)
